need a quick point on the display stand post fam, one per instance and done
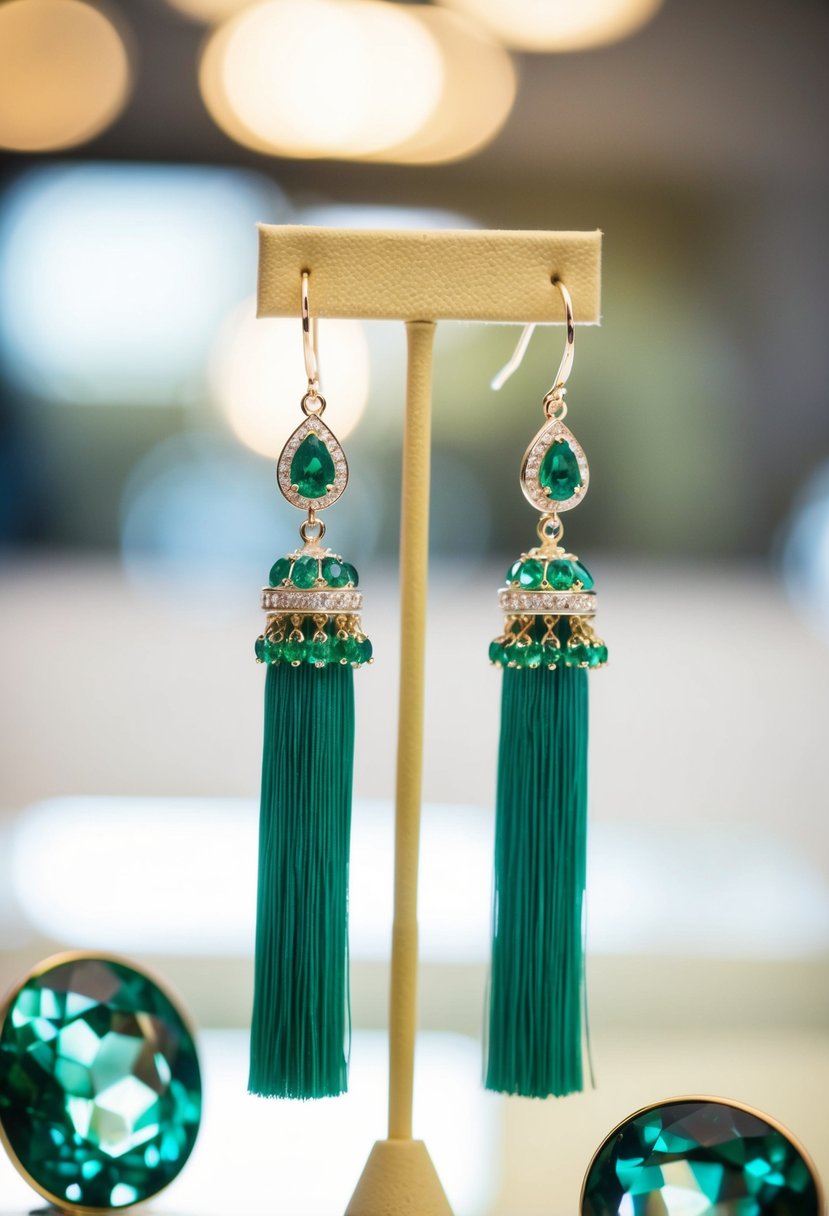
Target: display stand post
(420, 278)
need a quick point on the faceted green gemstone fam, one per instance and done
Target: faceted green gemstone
(279, 572)
(100, 1091)
(531, 574)
(533, 655)
(596, 655)
(335, 572)
(305, 572)
(318, 652)
(260, 649)
(312, 469)
(366, 650)
(496, 652)
(583, 576)
(552, 656)
(351, 574)
(703, 1157)
(514, 572)
(293, 651)
(351, 650)
(559, 473)
(574, 656)
(561, 574)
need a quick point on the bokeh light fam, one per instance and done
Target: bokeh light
(321, 78)
(114, 279)
(64, 74)
(208, 10)
(257, 376)
(558, 25)
(479, 85)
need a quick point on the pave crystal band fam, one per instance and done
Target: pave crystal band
(557, 603)
(285, 599)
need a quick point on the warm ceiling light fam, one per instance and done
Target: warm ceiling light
(558, 25)
(64, 74)
(257, 376)
(478, 92)
(322, 78)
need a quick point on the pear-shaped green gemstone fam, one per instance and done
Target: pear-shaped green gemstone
(279, 572)
(305, 572)
(496, 652)
(366, 650)
(293, 651)
(560, 474)
(514, 572)
(260, 649)
(583, 575)
(312, 469)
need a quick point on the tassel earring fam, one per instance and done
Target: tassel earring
(537, 1021)
(300, 1032)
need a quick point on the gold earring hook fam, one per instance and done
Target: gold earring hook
(556, 392)
(309, 340)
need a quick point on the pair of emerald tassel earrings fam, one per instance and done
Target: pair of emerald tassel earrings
(311, 644)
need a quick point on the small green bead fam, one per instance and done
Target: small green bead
(560, 574)
(574, 656)
(351, 650)
(293, 651)
(518, 655)
(514, 572)
(583, 576)
(531, 575)
(280, 572)
(597, 655)
(305, 572)
(260, 649)
(366, 650)
(552, 656)
(533, 655)
(352, 577)
(318, 652)
(496, 652)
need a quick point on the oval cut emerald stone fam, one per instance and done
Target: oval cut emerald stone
(312, 469)
(100, 1092)
(531, 574)
(305, 572)
(279, 572)
(514, 572)
(705, 1157)
(560, 474)
(561, 574)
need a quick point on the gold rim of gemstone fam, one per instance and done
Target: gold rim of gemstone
(552, 432)
(312, 425)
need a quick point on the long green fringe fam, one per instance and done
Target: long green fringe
(300, 1032)
(535, 1043)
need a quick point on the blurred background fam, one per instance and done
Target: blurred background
(141, 411)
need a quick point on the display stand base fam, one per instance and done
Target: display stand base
(399, 1179)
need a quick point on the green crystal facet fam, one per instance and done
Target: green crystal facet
(100, 1091)
(704, 1157)
(583, 575)
(305, 572)
(312, 469)
(514, 572)
(531, 574)
(279, 572)
(335, 572)
(561, 574)
(560, 474)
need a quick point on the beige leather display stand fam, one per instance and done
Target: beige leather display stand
(419, 278)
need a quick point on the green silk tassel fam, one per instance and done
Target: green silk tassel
(536, 1015)
(300, 1032)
